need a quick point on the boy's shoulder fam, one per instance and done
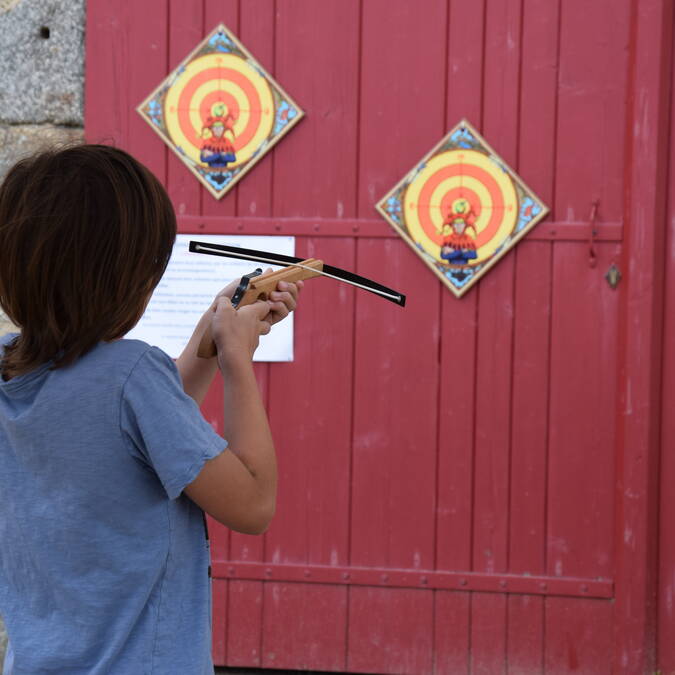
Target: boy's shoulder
(123, 357)
(126, 353)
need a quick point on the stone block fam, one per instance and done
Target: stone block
(21, 140)
(42, 57)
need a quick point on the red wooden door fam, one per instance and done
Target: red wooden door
(466, 485)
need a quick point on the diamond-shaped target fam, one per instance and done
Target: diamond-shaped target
(462, 208)
(220, 111)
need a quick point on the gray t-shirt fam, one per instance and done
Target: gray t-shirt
(103, 562)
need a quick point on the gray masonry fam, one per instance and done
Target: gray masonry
(41, 88)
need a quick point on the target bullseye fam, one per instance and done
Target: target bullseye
(461, 208)
(220, 111)
(223, 79)
(447, 177)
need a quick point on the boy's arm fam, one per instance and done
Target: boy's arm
(197, 373)
(238, 487)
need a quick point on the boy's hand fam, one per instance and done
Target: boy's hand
(237, 332)
(282, 301)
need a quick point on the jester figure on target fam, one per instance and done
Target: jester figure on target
(458, 247)
(217, 148)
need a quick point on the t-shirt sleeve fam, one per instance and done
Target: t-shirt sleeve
(163, 425)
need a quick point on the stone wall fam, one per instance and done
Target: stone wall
(41, 88)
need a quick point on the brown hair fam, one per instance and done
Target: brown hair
(86, 233)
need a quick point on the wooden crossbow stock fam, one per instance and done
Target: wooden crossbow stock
(257, 286)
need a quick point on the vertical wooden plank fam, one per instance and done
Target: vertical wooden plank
(255, 25)
(458, 319)
(127, 62)
(641, 335)
(304, 627)
(582, 421)
(527, 527)
(394, 461)
(185, 30)
(256, 32)
(451, 632)
(395, 636)
(312, 438)
(312, 435)
(399, 42)
(317, 62)
(488, 634)
(577, 637)
(186, 21)
(591, 113)
(456, 425)
(396, 378)
(495, 310)
(394, 420)
(666, 586)
(103, 119)
(525, 635)
(219, 592)
(215, 12)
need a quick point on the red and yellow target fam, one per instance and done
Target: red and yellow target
(220, 111)
(461, 208)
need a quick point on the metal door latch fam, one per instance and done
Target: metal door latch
(613, 276)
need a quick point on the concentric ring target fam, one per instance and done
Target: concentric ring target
(452, 180)
(224, 88)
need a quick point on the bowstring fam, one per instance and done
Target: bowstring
(200, 247)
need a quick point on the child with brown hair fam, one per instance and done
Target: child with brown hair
(106, 464)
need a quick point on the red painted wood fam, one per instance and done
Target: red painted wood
(641, 335)
(389, 577)
(311, 432)
(529, 435)
(304, 627)
(525, 635)
(577, 639)
(665, 647)
(488, 634)
(456, 426)
(531, 346)
(538, 102)
(127, 34)
(186, 22)
(219, 612)
(245, 631)
(245, 600)
(393, 94)
(256, 32)
(394, 438)
(583, 385)
(389, 631)
(456, 435)
(451, 632)
(495, 307)
(359, 228)
(591, 109)
(215, 12)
